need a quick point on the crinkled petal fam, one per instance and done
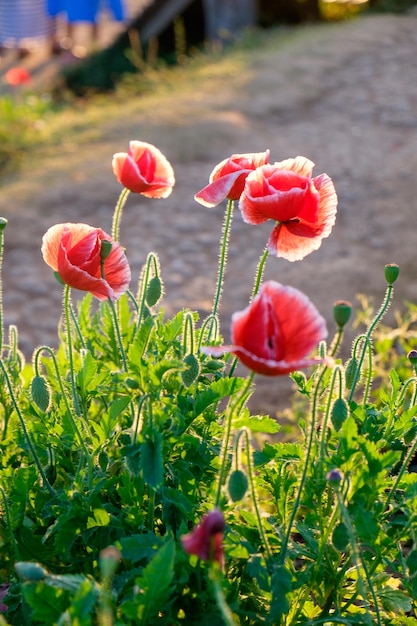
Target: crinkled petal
(300, 165)
(212, 194)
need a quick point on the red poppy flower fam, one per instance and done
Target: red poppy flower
(275, 334)
(18, 76)
(75, 252)
(303, 207)
(206, 539)
(227, 180)
(145, 170)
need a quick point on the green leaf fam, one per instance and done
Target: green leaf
(138, 547)
(138, 347)
(151, 461)
(257, 423)
(154, 584)
(100, 518)
(40, 392)
(394, 600)
(340, 537)
(280, 587)
(216, 391)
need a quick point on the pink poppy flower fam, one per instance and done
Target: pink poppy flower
(275, 334)
(227, 179)
(77, 253)
(303, 207)
(145, 170)
(206, 539)
(16, 76)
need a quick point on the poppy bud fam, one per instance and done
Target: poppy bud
(341, 312)
(334, 476)
(391, 273)
(3, 223)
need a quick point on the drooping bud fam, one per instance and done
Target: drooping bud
(391, 273)
(237, 485)
(342, 311)
(334, 476)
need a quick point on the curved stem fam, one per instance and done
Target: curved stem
(26, 432)
(71, 418)
(259, 273)
(230, 412)
(378, 317)
(117, 215)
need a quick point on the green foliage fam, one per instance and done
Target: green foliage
(115, 445)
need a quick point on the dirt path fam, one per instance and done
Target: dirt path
(344, 96)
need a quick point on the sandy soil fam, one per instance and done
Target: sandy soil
(343, 95)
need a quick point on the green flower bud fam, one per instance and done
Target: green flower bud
(341, 312)
(32, 572)
(412, 357)
(339, 413)
(334, 476)
(237, 485)
(3, 223)
(391, 273)
(350, 372)
(105, 249)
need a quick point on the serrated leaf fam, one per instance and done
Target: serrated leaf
(280, 587)
(154, 584)
(40, 393)
(138, 547)
(394, 600)
(257, 423)
(217, 390)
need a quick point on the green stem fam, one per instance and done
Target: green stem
(117, 332)
(67, 314)
(336, 372)
(215, 577)
(26, 432)
(259, 273)
(224, 247)
(357, 559)
(296, 505)
(378, 317)
(117, 215)
(254, 496)
(230, 412)
(71, 417)
(3, 223)
(407, 459)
